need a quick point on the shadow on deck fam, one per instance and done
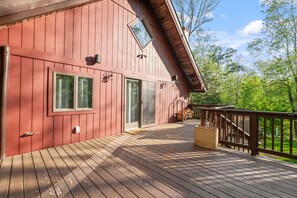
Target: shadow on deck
(161, 161)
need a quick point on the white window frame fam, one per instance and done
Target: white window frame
(146, 25)
(75, 94)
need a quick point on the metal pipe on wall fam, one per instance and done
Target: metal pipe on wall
(5, 55)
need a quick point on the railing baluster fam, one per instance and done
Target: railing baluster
(291, 136)
(202, 121)
(282, 135)
(220, 125)
(231, 127)
(272, 134)
(226, 128)
(243, 135)
(237, 133)
(253, 134)
(265, 128)
(249, 139)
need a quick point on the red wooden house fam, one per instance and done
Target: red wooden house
(81, 69)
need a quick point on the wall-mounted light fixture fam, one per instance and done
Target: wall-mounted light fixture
(141, 56)
(28, 134)
(107, 76)
(162, 85)
(97, 58)
(76, 129)
(92, 60)
(174, 77)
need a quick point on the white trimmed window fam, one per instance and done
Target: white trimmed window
(72, 92)
(141, 32)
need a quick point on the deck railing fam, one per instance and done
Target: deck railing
(254, 131)
(196, 108)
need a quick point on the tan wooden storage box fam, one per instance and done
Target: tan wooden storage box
(206, 137)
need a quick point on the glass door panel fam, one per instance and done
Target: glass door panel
(132, 104)
(148, 102)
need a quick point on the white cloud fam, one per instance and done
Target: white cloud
(235, 41)
(223, 16)
(253, 28)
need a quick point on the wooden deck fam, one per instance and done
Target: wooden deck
(160, 162)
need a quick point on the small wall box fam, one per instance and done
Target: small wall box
(77, 129)
(206, 137)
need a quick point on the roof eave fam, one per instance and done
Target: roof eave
(173, 17)
(43, 10)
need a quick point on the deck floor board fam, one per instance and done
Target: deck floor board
(73, 184)
(43, 179)
(121, 178)
(5, 172)
(159, 162)
(201, 180)
(31, 188)
(105, 181)
(16, 187)
(88, 171)
(123, 169)
(81, 176)
(57, 180)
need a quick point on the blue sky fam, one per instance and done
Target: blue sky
(236, 23)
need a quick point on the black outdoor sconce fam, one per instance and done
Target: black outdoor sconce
(92, 60)
(141, 56)
(107, 76)
(162, 85)
(97, 58)
(174, 78)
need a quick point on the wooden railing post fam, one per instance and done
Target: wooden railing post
(203, 117)
(253, 134)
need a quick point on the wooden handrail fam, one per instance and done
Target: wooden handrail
(252, 112)
(276, 127)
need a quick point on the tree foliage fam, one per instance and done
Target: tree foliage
(280, 42)
(272, 84)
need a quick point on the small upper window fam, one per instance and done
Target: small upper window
(142, 33)
(72, 92)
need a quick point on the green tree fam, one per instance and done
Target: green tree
(212, 75)
(280, 42)
(218, 67)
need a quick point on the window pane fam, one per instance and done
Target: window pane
(85, 93)
(64, 91)
(132, 101)
(141, 33)
(149, 102)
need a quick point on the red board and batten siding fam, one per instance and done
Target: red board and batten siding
(62, 41)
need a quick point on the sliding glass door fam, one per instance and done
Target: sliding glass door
(140, 103)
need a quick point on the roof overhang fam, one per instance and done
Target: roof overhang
(15, 11)
(173, 31)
